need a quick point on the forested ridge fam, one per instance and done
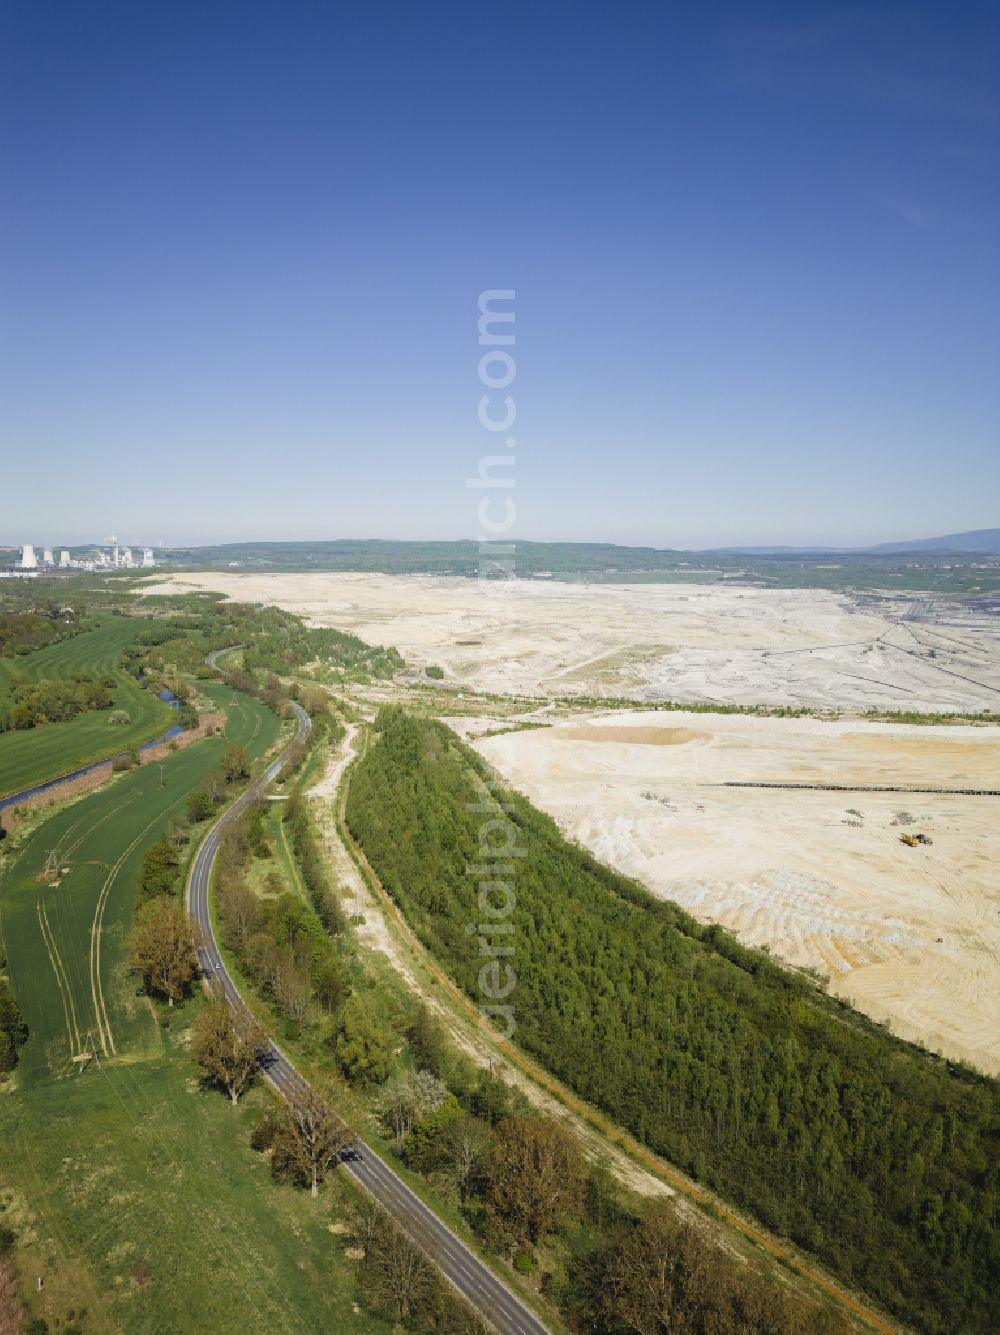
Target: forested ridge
(879, 1158)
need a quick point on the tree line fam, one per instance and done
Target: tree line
(877, 1157)
(519, 1179)
(25, 629)
(13, 1030)
(32, 703)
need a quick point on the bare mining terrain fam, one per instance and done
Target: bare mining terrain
(820, 878)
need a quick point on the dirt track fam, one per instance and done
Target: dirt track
(820, 878)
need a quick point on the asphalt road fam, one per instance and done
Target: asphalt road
(487, 1294)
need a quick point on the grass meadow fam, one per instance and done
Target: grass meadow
(132, 1187)
(140, 1202)
(36, 754)
(64, 938)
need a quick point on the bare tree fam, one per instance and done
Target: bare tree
(466, 1142)
(290, 984)
(397, 1107)
(409, 1098)
(239, 909)
(396, 1277)
(312, 1137)
(227, 1043)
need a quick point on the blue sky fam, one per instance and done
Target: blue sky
(754, 251)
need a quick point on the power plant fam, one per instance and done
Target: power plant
(113, 557)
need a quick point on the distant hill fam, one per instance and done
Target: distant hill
(776, 551)
(982, 540)
(941, 565)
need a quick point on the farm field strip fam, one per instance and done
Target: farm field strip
(96, 650)
(141, 1186)
(97, 987)
(34, 755)
(63, 939)
(62, 981)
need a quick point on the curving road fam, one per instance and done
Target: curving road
(473, 1279)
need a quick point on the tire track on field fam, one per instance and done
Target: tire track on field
(96, 986)
(62, 979)
(91, 828)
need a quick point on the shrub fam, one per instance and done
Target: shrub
(263, 1134)
(199, 806)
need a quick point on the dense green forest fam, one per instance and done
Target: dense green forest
(880, 1159)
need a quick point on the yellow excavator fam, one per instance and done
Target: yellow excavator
(915, 840)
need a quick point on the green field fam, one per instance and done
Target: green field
(143, 1203)
(41, 753)
(134, 1189)
(63, 940)
(248, 722)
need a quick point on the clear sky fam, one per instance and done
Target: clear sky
(755, 251)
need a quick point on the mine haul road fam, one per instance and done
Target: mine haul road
(470, 1276)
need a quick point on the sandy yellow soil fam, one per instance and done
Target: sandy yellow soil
(715, 642)
(912, 936)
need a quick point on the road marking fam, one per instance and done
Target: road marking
(597, 1119)
(283, 1076)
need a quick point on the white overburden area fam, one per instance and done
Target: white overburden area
(820, 878)
(911, 935)
(715, 643)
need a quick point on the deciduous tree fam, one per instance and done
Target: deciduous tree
(361, 1042)
(310, 1138)
(158, 872)
(199, 806)
(464, 1143)
(227, 1043)
(534, 1176)
(235, 763)
(162, 949)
